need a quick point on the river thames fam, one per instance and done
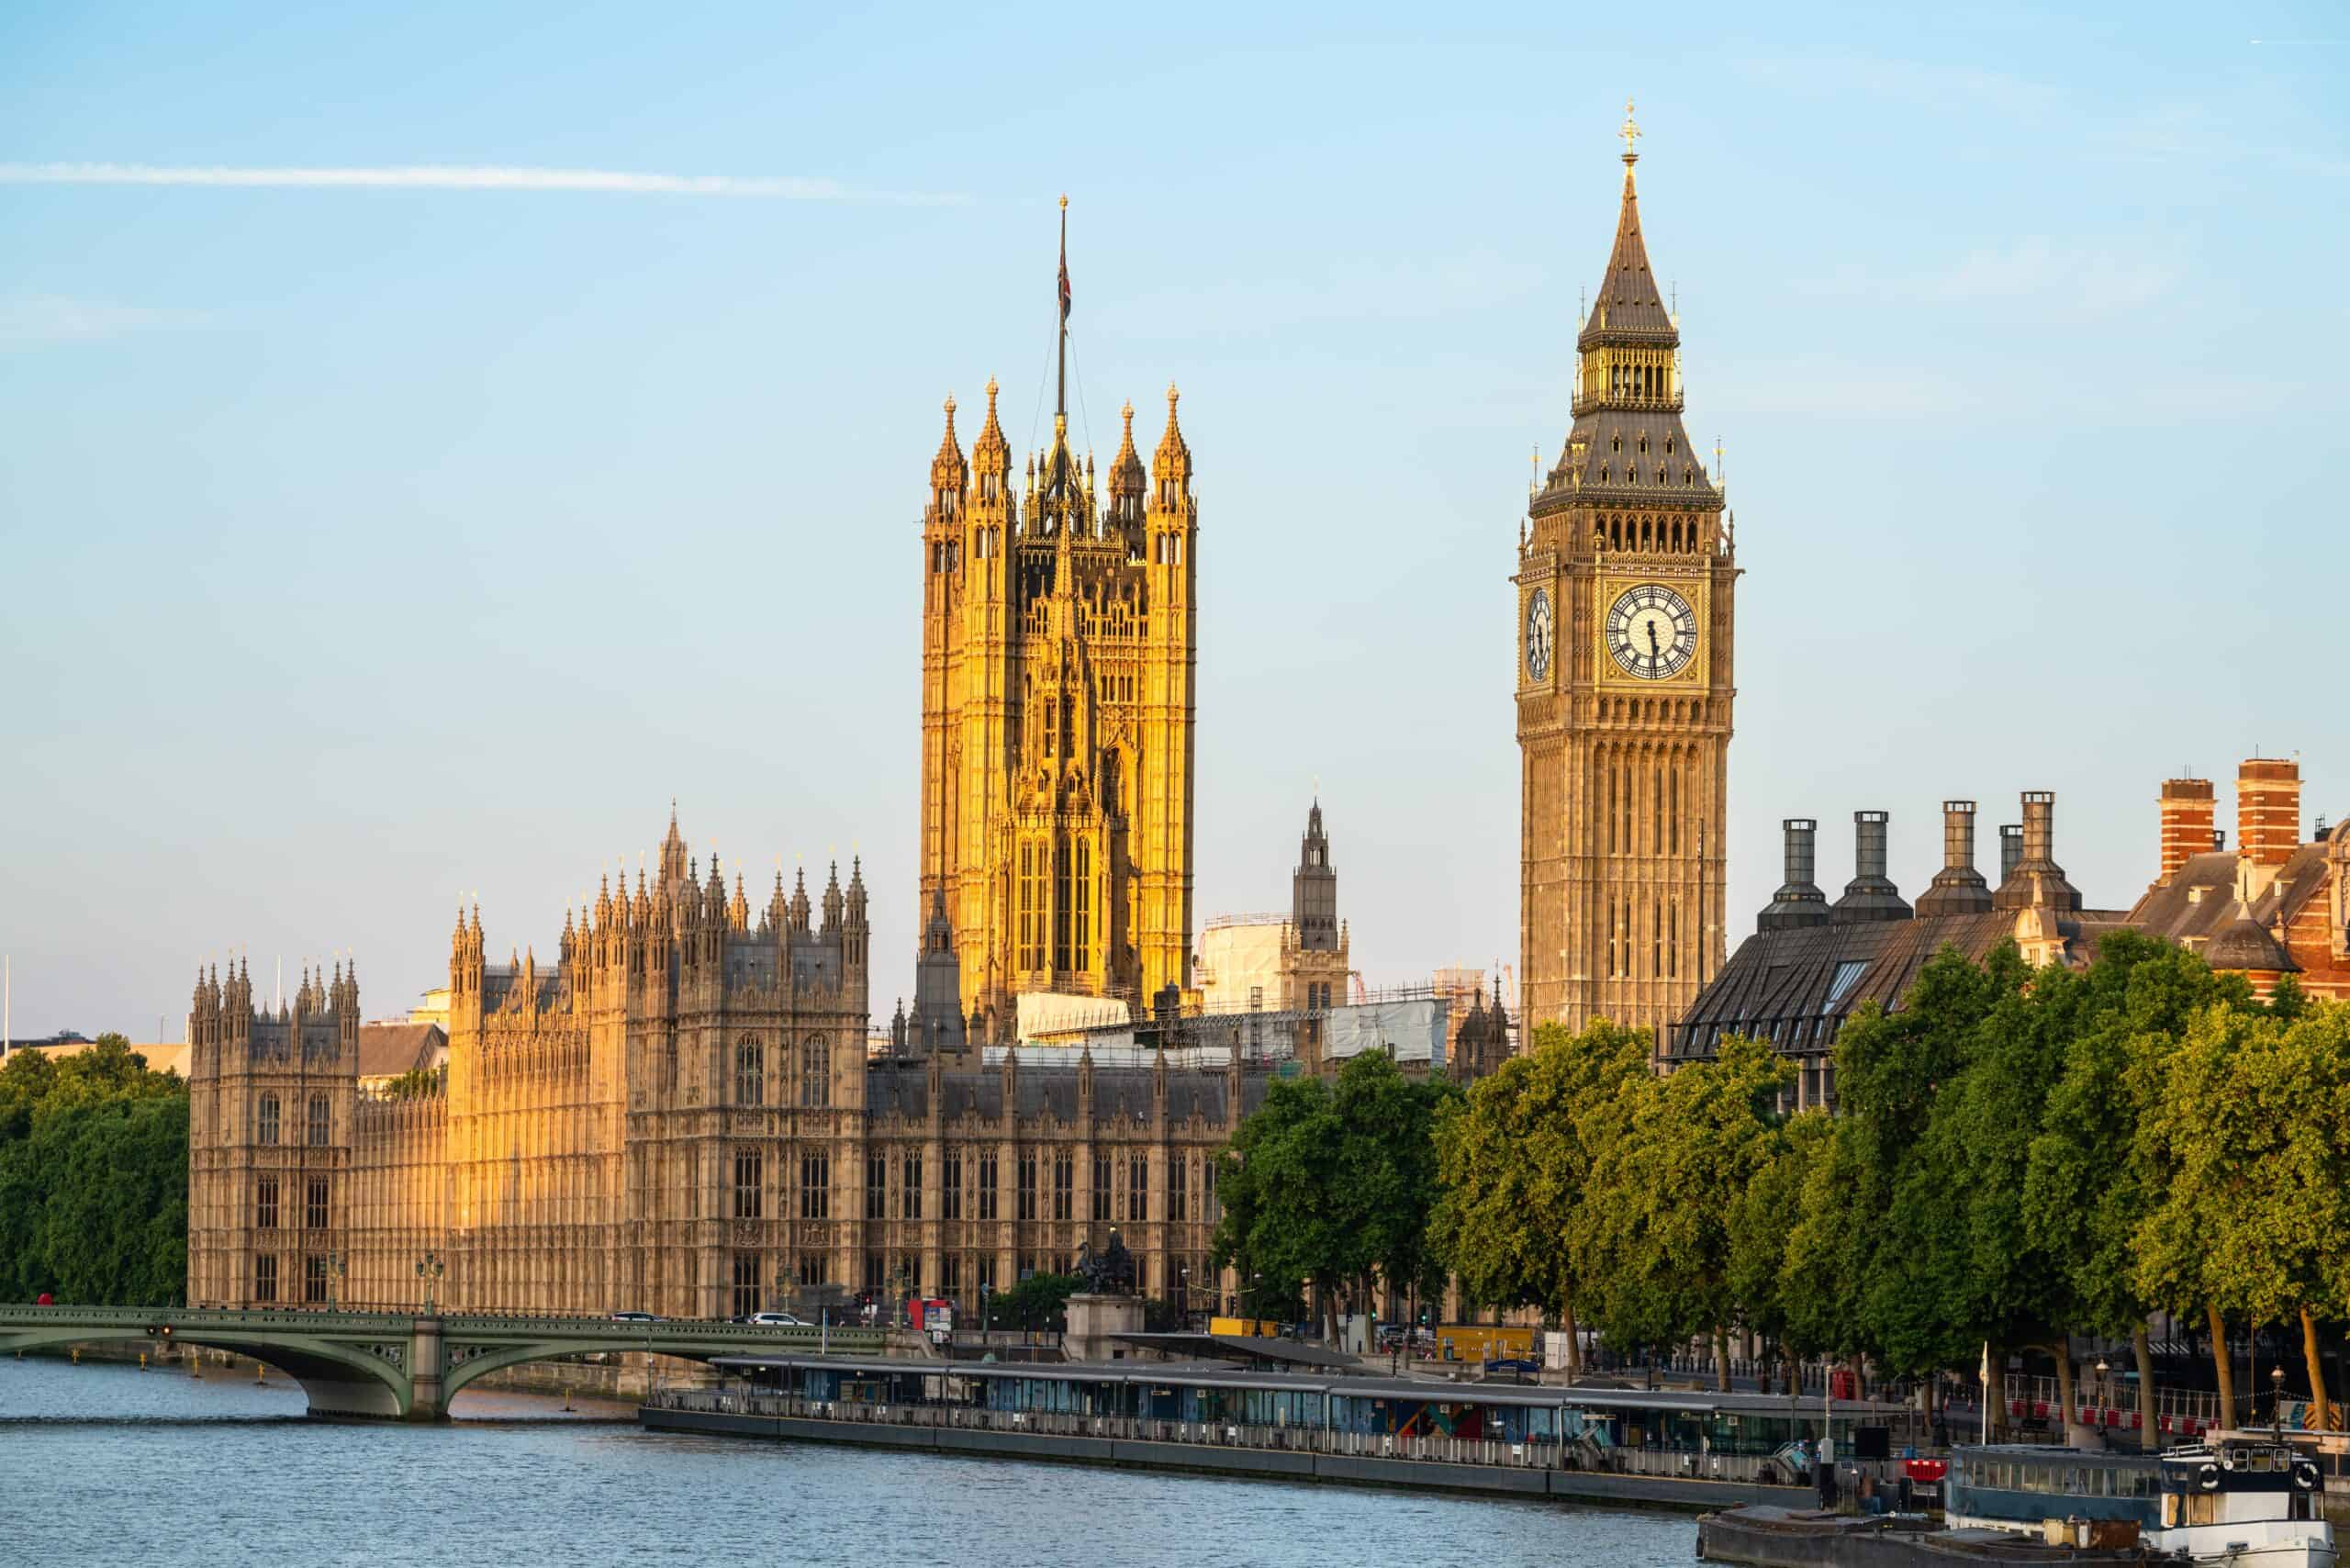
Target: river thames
(104, 1464)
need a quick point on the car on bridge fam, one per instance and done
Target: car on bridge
(636, 1317)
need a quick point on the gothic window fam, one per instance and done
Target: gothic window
(876, 1187)
(750, 1181)
(816, 1072)
(1027, 1209)
(265, 1203)
(815, 1186)
(951, 1189)
(1616, 443)
(1062, 904)
(811, 1270)
(265, 1277)
(1138, 1189)
(747, 1283)
(987, 1185)
(985, 1268)
(1102, 1189)
(1064, 1183)
(314, 1278)
(1603, 473)
(1208, 1211)
(1672, 818)
(1032, 904)
(950, 1281)
(750, 1074)
(1081, 913)
(1178, 1169)
(320, 1123)
(268, 1119)
(910, 1187)
(314, 1205)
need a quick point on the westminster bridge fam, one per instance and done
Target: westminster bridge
(406, 1366)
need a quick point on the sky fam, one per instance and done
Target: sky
(376, 537)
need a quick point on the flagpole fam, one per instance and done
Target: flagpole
(1060, 312)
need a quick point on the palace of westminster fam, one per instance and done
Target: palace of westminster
(681, 1113)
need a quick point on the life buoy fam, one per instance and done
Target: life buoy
(2207, 1477)
(2305, 1475)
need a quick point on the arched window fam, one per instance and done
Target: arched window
(816, 1072)
(750, 1074)
(268, 1119)
(321, 1121)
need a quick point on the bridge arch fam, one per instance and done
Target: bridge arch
(467, 1362)
(338, 1380)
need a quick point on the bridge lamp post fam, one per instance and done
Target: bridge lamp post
(428, 1269)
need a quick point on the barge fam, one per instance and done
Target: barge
(2240, 1501)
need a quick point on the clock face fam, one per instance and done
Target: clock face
(1538, 636)
(1651, 631)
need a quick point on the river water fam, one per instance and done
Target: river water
(104, 1464)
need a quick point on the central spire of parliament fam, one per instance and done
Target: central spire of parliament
(1626, 579)
(1059, 659)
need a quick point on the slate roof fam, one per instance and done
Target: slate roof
(1795, 987)
(386, 1050)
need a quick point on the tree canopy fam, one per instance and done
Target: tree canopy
(1332, 1184)
(93, 1178)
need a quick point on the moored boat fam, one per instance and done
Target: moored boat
(2240, 1501)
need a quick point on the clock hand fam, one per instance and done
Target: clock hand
(1656, 654)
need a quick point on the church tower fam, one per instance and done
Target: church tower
(1626, 574)
(1060, 667)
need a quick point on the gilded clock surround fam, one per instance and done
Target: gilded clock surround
(1624, 780)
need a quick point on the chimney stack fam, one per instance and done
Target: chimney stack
(2037, 882)
(1798, 900)
(2010, 849)
(2186, 815)
(2268, 811)
(1958, 887)
(1870, 895)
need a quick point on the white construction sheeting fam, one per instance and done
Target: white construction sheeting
(1046, 1012)
(1412, 1031)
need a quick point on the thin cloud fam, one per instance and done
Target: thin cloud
(52, 318)
(463, 177)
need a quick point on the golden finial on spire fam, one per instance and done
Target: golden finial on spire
(950, 405)
(1630, 133)
(1063, 202)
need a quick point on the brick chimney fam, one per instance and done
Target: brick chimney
(2268, 811)
(2187, 814)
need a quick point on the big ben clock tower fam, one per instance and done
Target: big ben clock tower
(1626, 576)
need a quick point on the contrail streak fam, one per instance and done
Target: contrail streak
(463, 177)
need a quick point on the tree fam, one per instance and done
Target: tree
(1512, 1166)
(1763, 1219)
(1334, 1184)
(1040, 1300)
(93, 1177)
(2252, 1124)
(1655, 1219)
(2090, 1183)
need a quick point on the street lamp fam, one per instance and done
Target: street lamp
(1183, 1297)
(428, 1269)
(2277, 1402)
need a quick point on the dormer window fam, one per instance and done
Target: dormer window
(1644, 444)
(1615, 443)
(1668, 446)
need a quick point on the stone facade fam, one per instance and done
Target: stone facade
(1059, 655)
(1625, 574)
(679, 1115)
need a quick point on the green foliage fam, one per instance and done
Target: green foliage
(93, 1177)
(1040, 1300)
(418, 1083)
(1512, 1163)
(1333, 1184)
(1668, 1165)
